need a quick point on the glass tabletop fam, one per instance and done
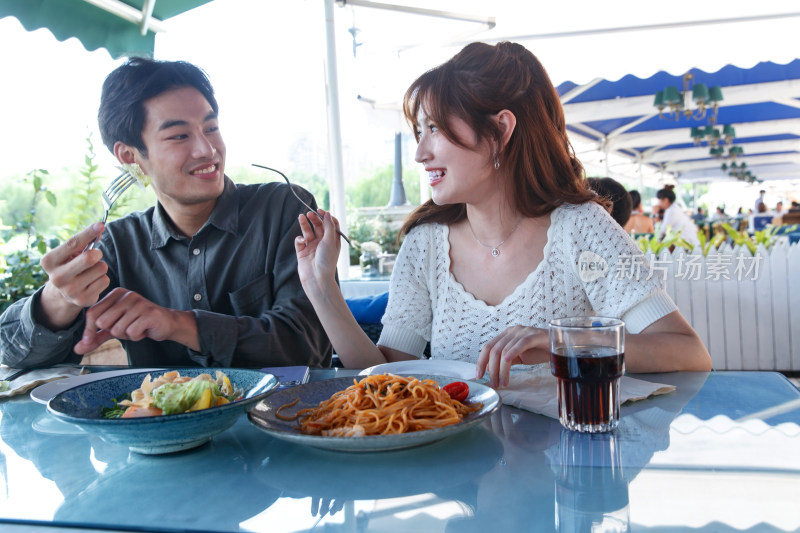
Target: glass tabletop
(718, 454)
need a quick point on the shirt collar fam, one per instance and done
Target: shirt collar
(225, 217)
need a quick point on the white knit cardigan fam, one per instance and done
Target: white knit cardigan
(426, 303)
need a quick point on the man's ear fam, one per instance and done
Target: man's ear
(507, 122)
(124, 153)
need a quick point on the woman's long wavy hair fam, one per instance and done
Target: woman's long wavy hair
(476, 84)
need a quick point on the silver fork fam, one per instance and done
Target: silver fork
(111, 194)
(291, 187)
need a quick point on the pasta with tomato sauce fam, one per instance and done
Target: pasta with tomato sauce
(383, 404)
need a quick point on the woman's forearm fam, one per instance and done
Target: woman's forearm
(665, 352)
(349, 341)
(668, 345)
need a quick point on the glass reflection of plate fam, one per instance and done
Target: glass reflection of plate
(311, 394)
(210, 488)
(49, 425)
(451, 369)
(302, 471)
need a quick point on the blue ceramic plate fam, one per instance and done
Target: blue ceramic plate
(157, 434)
(311, 394)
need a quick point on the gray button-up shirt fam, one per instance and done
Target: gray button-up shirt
(238, 275)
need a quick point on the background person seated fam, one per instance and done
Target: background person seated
(760, 220)
(638, 221)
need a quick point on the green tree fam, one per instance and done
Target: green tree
(375, 189)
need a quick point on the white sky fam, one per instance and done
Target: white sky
(265, 60)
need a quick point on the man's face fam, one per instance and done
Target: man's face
(185, 152)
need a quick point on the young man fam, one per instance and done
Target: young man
(206, 277)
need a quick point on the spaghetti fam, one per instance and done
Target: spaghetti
(381, 405)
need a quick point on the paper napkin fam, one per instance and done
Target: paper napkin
(34, 378)
(536, 390)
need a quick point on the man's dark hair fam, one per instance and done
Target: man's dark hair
(122, 114)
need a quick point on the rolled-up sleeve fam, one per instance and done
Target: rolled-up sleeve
(26, 344)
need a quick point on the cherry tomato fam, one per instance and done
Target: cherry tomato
(458, 390)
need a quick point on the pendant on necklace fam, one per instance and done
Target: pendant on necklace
(495, 252)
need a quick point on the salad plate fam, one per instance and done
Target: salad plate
(311, 394)
(82, 405)
(438, 367)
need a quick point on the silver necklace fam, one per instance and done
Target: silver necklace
(496, 248)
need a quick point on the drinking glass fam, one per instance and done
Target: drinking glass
(587, 356)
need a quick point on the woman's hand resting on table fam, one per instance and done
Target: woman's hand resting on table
(317, 251)
(517, 345)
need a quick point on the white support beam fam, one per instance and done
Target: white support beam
(791, 102)
(752, 163)
(131, 14)
(488, 21)
(579, 90)
(147, 15)
(682, 135)
(336, 180)
(702, 152)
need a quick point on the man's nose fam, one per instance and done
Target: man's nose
(203, 147)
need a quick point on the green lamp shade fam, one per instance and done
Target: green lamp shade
(697, 133)
(714, 94)
(710, 130)
(728, 131)
(672, 95)
(724, 167)
(659, 99)
(700, 93)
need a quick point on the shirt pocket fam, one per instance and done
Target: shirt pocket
(254, 298)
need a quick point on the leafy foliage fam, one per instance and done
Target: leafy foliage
(767, 237)
(20, 270)
(656, 243)
(367, 229)
(85, 195)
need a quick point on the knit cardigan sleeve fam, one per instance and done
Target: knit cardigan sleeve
(615, 276)
(409, 311)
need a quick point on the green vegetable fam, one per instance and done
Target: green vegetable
(174, 398)
(117, 411)
(4, 386)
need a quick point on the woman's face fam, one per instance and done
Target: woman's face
(456, 174)
(664, 203)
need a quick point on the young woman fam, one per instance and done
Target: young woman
(511, 239)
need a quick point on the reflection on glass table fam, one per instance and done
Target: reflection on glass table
(689, 460)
